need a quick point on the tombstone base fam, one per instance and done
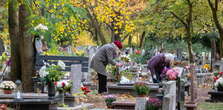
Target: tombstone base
(191, 106)
(129, 105)
(216, 96)
(69, 100)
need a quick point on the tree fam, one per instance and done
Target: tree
(26, 47)
(14, 38)
(178, 18)
(216, 7)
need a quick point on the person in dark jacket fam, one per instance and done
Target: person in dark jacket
(157, 64)
(104, 56)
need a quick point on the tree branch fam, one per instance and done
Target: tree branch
(177, 17)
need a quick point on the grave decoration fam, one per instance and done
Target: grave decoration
(217, 75)
(172, 74)
(8, 86)
(141, 89)
(63, 86)
(219, 84)
(109, 99)
(51, 74)
(153, 104)
(85, 90)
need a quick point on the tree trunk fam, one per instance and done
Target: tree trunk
(221, 45)
(2, 48)
(130, 41)
(26, 49)
(213, 49)
(14, 38)
(142, 39)
(95, 25)
(191, 58)
(214, 9)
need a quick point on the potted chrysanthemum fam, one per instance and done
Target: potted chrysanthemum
(109, 99)
(8, 86)
(141, 89)
(153, 104)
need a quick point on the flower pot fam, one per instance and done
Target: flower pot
(7, 91)
(51, 90)
(109, 106)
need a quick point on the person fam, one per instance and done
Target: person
(104, 56)
(157, 64)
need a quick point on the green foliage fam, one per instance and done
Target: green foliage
(128, 74)
(55, 73)
(64, 20)
(109, 100)
(141, 89)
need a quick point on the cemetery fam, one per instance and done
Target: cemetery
(111, 55)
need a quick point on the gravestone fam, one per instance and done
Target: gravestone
(169, 100)
(76, 76)
(219, 65)
(140, 103)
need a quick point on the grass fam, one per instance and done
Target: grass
(210, 106)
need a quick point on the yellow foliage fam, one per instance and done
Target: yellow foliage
(84, 39)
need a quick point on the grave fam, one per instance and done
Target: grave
(216, 96)
(129, 105)
(30, 101)
(219, 65)
(122, 89)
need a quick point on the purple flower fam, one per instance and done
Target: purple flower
(154, 101)
(9, 62)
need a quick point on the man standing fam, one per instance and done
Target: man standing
(104, 56)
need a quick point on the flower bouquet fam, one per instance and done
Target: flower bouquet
(219, 84)
(141, 89)
(172, 74)
(153, 104)
(85, 90)
(206, 67)
(8, 86)
(125, 58)
(63, 85)
(51, 74)
(109, 99)
(217, 75)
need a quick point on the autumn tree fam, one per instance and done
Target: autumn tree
(179, 18)
(216, 9)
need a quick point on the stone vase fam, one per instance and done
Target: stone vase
(51, 90)
(141, 103)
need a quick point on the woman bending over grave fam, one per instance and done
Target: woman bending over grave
(104, 56)
(157, 64)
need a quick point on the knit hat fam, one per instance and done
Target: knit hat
(118, 44)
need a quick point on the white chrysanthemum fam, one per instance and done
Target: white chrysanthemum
(124, 80)
(61, 64)
(41, 27)
(8, 85)
(43, 72)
